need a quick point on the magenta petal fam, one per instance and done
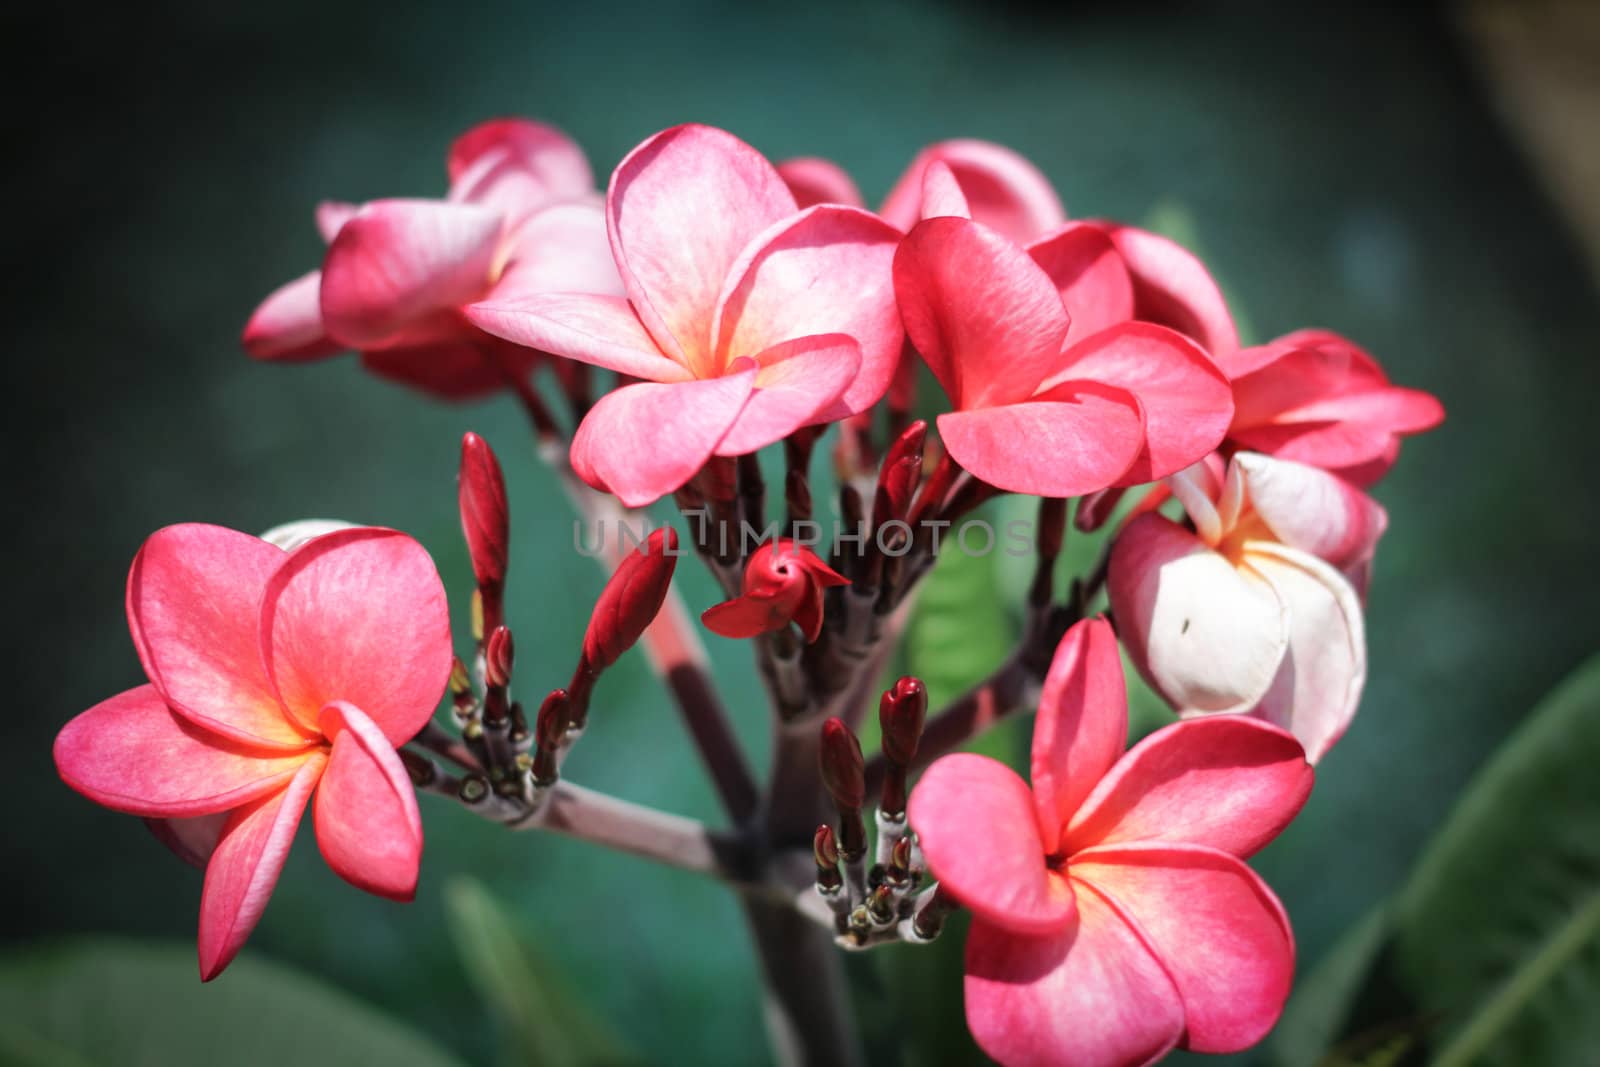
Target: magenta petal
(132, 754)
(400, 261)
(1092, 995)
(193, 594)
(976, 823)
(1224, 781)
(596, 329)
(288, 324)
(1004, 191)
(358, 615)
(819, 181)
(1090, 275)
(1173, 288)
(642, 442)
(1333, 445)
(244, 867)
(1078, 440)
(368, 826)
(800, 382)
(941, 193)
(1215, 925)
(1082, 725)
(682, 207)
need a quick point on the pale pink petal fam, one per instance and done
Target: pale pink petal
(1221, 934)
(358, 615)
(941, 193)
(559, 249)
(1082, 725)
(800, 383)
(1198, 493)
(400, 261)
(1228, 782)
(599, 330)
(1311, 509)
(1187, 401)
(288, 324)
(682, 207)
(517, 166)
(132, 754)
(244, 867)
(644, 441)
(819, 181)
(1206, 636)
(828, 270)
(1078, 439)
(1090, 275)
(982, 313)
(1173, 288)
(1318, 685)
(368, 826)
(1090, 996)
(193, 594)
(192, 840)
(1004, 190)
(977, 827)
(331, 217)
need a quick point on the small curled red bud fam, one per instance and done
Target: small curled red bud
(784, 582)
(550, 726)
(1095, 508)
(497, 657)
(631, 599)
(900, 472)
(825, 847)
(485, 518)
(843, 767)
(901, 713)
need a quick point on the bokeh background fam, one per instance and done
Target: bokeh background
(1338, 168)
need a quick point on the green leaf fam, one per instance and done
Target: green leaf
(545, 1022)
(961, 629)
(1315, 1015)
(120, 1003)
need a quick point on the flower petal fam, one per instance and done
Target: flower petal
(984, 316)
(644, 441)
(1207, 636)
(1005, 191)
(517, 166)
(751, 614)
(452, 370)
(397, 262)
(193, 594)
(682, 207)
(1312, 510)
(1319, 684)
(1092, 995)
(941, 193)
(559, 249)
(595, 329)
(358, 615)
(368, 826)
(192, 840)
(819, 181)
(800, 382)
(288, 324)
(132, 754)
(1224, 781)
(1215, 925)
(1330, 444)
(1078, 439)
(1090, 275)
(244, 867)
(1172, 287)
(1082, 725)
(1186, 398)
(331, 216)
(976, 823)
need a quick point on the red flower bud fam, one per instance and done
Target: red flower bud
(497, 656)
(825, 848)
(1095, 508)
(901, 712)
(900, 473)
(783, 583)
(631, 599)
(485, 520)
(551, 724)
(843, 766)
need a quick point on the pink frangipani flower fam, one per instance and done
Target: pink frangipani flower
(1258, 610)
(1040, 406)
(784, 582)
(746, 317)
(272, 675)
(521, 214)
(1113, 915)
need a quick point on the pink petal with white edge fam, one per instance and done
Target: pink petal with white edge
(1312, 510)
(1090, 996)
(517, 166)
(1078, 439)
(368, 826)
(1207, 636)
(191, 840)
(976, 823)
(828, 270)
(599, 330)
(1221, 934)
(984, 316)
(1082, 725)
(559, 249)
(1005, 191)
(1187, 401)
(642, 442)
(800, 382)
(1223, 781)
(359, 615)
(288, 324)
(331, 216)
(819, 181)
(1173, 288)
(682, 207)
(193, 594)
(244, 867)
(1089, 274)
(1318, 687)
(398, 261)
(132, 754)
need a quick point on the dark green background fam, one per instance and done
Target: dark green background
(1337, 169)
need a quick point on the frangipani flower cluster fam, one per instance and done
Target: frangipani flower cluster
(738, 304)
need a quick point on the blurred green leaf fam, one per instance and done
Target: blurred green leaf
(961, 629)
(119, 1003)
(546, 1023)
(1316, 1012)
